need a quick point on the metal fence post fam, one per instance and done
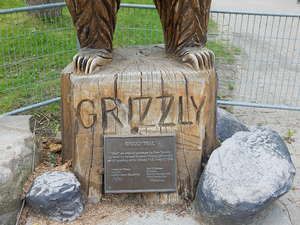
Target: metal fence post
(35, 50)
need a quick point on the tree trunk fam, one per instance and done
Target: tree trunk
(142, 92)
(45, 13)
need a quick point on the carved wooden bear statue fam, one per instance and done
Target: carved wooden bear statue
(184, 23)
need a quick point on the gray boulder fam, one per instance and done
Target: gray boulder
(16, 161)
(243, 176)
(228, 125)
(56, 194)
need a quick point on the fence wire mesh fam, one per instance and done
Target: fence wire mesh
(267, 62)
(257, 54)
(34, 48)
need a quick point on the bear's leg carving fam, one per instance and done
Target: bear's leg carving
(185, 24)
(95, 22)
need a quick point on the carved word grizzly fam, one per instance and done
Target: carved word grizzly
(111, 108)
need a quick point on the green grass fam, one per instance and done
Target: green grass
(35, 49)
(5, 4)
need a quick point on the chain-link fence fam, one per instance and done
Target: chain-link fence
(257, 54)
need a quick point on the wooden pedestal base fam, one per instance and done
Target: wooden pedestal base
(142, 91)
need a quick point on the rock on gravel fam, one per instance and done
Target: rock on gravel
(228, 125)
(56, 194)
(247, 172)
(16, 159)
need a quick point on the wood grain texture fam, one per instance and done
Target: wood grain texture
(95, 22)
(184, 22)
(143, 91)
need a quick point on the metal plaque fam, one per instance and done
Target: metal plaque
(140, 164)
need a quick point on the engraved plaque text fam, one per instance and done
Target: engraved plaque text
(140, 164)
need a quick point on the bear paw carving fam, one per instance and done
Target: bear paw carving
(197, 58)
(87, 60)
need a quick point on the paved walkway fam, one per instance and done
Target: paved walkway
(269, 66)
(286, 211)
(273, 6)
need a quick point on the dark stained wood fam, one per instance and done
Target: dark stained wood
(95, 22)
(185, 24)
(142, 91)
(66, 113)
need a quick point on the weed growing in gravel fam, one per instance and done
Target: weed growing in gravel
(289, 138)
